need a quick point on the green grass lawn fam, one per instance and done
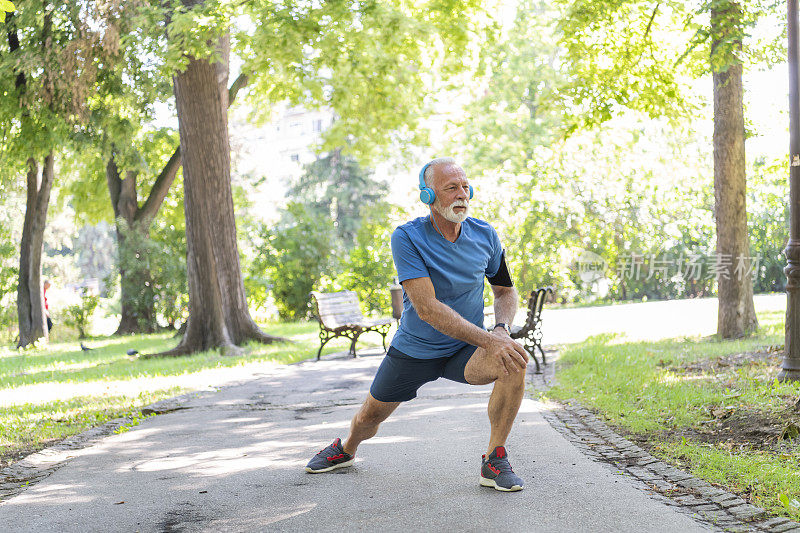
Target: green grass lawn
(49, 393)
(713, 407)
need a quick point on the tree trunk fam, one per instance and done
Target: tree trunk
(737, 315)
(218, 313)
(30, 297)
(137, 303)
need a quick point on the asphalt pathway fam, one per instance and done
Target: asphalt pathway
(233, 461)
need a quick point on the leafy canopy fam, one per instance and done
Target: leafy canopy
(641, 54)
(372, 63)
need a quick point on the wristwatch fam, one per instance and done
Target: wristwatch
(504, 326)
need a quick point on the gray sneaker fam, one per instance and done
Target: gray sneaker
(330, 458)
(496, 472)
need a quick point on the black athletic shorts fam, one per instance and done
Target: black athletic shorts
(400, 375)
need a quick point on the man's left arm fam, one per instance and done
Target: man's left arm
(505, 304)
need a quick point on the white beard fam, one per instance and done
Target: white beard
(449, 213)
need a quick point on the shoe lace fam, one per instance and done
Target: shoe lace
(329, 449)
(502, 464)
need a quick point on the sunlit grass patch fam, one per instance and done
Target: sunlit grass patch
(758, 475)
(715, 404)
(27, 427)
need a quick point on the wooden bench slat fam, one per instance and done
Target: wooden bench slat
(328, 296)
(352, 312)
(323, 308)
(337, 303)
(340, 311)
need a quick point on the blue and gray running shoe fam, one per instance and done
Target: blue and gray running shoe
(330, 458)
(496, 472)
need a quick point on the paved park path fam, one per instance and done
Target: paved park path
(233, 460)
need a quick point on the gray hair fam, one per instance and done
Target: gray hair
(434, 162)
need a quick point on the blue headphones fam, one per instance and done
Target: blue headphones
(426, 194)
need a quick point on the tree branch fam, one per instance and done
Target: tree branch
(650, 24)
(13, 46)
(148, 211)
(647, 32)
(238, 84)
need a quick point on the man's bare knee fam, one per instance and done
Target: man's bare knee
(481, 370)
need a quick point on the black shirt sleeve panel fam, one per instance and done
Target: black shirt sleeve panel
(502, 278)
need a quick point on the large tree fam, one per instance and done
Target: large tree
(638, 54)
(737, 314)
(218, 313)
(135, 161)
(366, 61)
(49, 68)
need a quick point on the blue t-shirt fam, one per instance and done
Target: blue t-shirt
(456, 270)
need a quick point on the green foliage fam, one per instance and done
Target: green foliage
(508, 144)
(192, 29)
(5, 7)
(640, 54)
(790, 505)
(168, 274)
(293, 257)
(367, 267)
(79, 315)
(631, 185)
(634, 186)
(768, 223)
(9, 271)
(137, 256)
(155, 266)
(145, 153)
(336, 186)
(51, 79)
(333, 235)
(372, 63)
(520, 109)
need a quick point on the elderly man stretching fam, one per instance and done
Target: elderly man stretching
(441, 260)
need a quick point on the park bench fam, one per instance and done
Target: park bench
(531, 332)
(339, 315)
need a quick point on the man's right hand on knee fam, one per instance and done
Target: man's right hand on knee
(508, 354)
